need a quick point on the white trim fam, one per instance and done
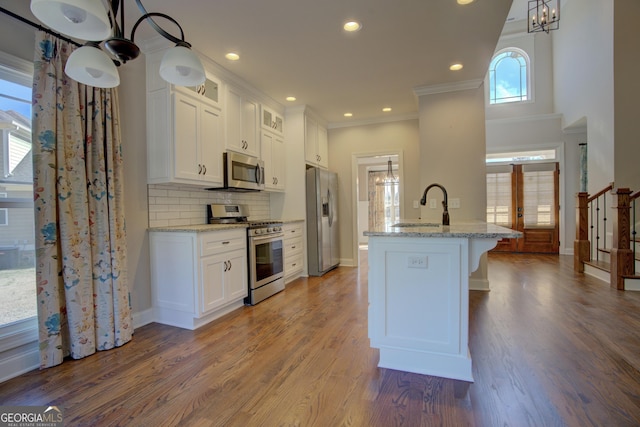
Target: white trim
(448, 87)
(16, 69)
(142, 318)
(375, 121)
(523, 119)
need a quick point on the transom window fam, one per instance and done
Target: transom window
(509, 77)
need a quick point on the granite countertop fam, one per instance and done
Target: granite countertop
(474, 229)
(203, 228)
(289, 221)
(200, 228)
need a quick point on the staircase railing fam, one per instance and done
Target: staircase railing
(592, 228)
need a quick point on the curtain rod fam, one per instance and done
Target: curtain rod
(39, 27)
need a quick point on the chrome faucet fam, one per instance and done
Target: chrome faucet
(445, 203)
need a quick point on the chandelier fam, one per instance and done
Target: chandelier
(389, 178)
(544, 15)
(90, 20)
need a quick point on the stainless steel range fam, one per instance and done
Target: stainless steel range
(264, 250)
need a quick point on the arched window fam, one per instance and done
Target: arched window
(509, 79)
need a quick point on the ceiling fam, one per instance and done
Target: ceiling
(298, 47)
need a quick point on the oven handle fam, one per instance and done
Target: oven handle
(267, 237)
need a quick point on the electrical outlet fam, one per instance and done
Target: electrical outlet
(416, 204)
(417, 261)
(455, 203)
(432, 203)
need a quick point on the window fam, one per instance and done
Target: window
(17, 237)
(509, 77)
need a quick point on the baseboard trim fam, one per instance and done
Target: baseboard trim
(23, 361)
(142, 318)
(478, 284)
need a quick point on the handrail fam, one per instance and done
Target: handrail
(634, 195)
(600, 193)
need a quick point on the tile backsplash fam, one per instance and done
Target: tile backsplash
(171, 204)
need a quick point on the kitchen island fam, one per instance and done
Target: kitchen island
(419, 294)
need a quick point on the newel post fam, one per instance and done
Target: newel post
(581, 246)
(621, 253)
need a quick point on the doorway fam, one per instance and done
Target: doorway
(525, 197)
(377, 201)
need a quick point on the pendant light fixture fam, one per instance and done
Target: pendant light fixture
(389, 178)
(91, 20)
(544, 15)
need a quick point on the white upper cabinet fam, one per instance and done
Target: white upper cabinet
(185, 130)
(184, 138)
(274, 165)
(272, 121)
(242, 123)
(315, 143)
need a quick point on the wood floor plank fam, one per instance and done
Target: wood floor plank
(549, 346)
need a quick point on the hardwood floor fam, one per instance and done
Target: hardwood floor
(549, 347)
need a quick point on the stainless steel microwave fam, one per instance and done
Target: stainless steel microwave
(242, 173)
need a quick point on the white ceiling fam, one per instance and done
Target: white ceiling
(298, 47)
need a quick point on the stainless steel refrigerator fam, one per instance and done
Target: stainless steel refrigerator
(322, 221)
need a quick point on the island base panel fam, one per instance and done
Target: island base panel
(427, 363)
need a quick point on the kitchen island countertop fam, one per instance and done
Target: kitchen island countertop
(470, 229)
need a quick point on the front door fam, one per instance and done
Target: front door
(525, 197)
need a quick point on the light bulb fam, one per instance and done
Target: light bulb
(182, 70)
(95, 73)
(73, 14)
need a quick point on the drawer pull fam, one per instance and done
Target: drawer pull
(293, 247)
(226, 242)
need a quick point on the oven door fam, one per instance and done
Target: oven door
(266, 259)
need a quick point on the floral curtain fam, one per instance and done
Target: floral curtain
(376, 199)
(83, 296)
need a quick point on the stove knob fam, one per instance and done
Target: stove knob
(277, 228)
(258, 231)
(269, 230)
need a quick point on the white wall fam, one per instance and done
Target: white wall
(583, 70)
(626, 93)
(347, 141)
(452, 152)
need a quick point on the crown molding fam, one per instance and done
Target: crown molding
(379, 120)
(448, 87)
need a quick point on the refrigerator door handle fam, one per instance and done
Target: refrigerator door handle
(330, 199)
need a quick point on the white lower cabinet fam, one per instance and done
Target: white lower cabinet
(197, 277)
(293, 251)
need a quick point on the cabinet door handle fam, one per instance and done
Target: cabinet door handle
(226, 267)
(230, 265)
(199, 169)
(204, 169)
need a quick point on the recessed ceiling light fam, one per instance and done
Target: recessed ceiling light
(348, 114)
(352, 26)
(232, 56)
(465, 1)
(455, 67)
(386, 109)
(290, 98)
